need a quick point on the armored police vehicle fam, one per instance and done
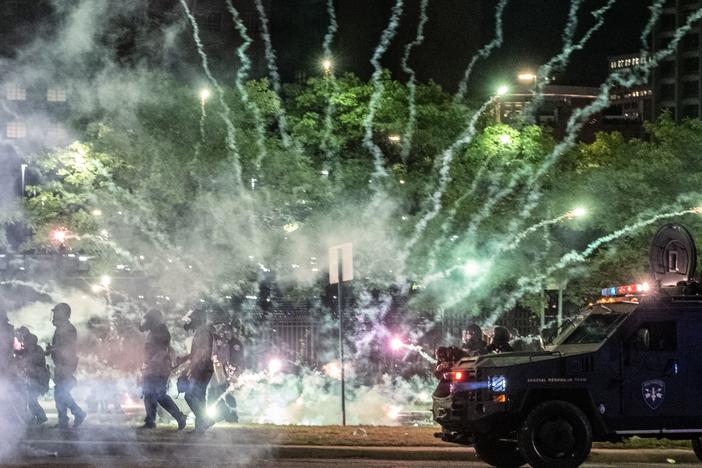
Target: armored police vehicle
(630, 364)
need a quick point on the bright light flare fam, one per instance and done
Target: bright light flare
(105, 281)
(395, 138)
(505, 139)
(327, 65)
(204, 95)
(59, 235)
(333, 370)
(578, 212)
(211, 411)
(275, 365)
(394, 412)
(471, 268)
(502, 90)
(396, 344)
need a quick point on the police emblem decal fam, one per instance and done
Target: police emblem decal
(653, 392)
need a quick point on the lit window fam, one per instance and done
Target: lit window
(16, 130)
(15, 92)
(56, 94)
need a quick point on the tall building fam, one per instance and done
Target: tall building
(677, 80)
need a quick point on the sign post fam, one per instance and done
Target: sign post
(340, 270)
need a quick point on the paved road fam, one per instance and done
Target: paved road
(128, 447)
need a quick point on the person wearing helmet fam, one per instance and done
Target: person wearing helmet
(500, 341)
(158, 360)
(64, 352)
(200, 367)
(473, 343)
(227, 359)
(34, 373)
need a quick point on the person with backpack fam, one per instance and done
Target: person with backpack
(227, 359)
(158, 362)
(34, 373)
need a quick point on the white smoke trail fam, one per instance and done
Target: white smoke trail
(560, 61)
(203, 117)
(226, 113)
(484, 52)
(535, 283)
(273, 73)
(535, 227)
(408, 134)
(419, 350)
(656, 10)
(241, 76)
(331, 80)
(445, 175)
(378, 89)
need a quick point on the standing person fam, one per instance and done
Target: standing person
(32, 367)
(473, 343)
(500, 341)
(200, 367)
(227, 358)
(64, 353)
(158, 360)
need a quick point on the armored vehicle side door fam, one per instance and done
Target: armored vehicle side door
(653, 386)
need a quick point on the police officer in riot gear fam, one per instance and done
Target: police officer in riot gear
(64, 353)
(500, 341)
(33, 370)
(200, 367)
(473, 343)
(158, 360)
(227, 358)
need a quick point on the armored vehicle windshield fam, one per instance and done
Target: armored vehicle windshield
(594, 324)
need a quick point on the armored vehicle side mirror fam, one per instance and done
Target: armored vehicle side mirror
(643, 339)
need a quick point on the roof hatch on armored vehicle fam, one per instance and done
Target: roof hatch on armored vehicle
(673, 255)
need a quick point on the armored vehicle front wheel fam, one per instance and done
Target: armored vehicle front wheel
(697, 447)
(498, 452)
(555, 434)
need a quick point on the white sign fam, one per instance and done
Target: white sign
(341, 253)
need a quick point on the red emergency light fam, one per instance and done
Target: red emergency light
(455, 376)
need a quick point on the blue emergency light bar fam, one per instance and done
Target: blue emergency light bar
(626, 290)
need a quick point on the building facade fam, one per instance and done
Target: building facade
(676, 81)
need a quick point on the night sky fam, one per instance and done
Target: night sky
(455, 30)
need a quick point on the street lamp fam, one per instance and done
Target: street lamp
(527, 77)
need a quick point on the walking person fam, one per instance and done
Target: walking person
(64, 352)
(200, 368)
(34, 373)
(158, 361)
